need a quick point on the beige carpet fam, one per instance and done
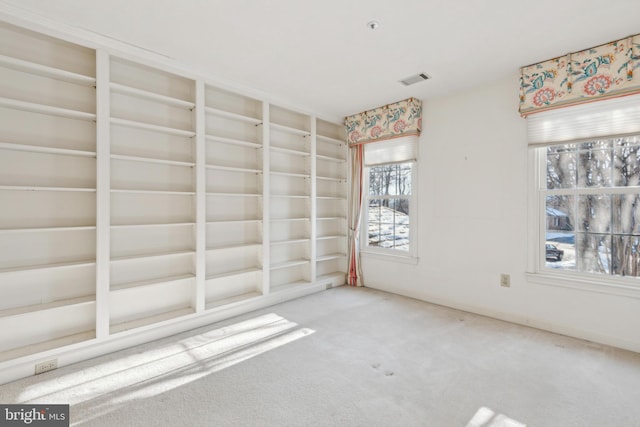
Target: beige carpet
(350, 357)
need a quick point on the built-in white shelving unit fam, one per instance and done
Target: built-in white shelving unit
(152, 186)
(47, 193)
(331, 201)
(291, 191)
(234, 186)
(138, 200)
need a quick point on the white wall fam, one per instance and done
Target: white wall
(473, 226)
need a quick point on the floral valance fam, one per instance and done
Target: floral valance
(390, 121)
(601, 72)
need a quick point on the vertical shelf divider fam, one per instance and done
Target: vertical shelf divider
(266, 200)
(199, 302)
(103, 187)
(313, 201)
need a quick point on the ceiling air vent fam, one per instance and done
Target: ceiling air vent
(415, 79)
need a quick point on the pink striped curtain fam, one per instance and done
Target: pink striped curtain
(355, 215)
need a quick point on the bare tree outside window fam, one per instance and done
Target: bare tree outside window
(592, 207)
(388, 206)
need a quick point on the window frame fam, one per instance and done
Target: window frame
(410, 256)
(537, 272)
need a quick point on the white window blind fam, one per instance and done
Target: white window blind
(606, 118)
(396, 150)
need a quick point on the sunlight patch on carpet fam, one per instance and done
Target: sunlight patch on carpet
(99, 389)
(485, 417)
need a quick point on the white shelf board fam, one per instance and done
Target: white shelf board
(290, 151)
(231, 300)
(168, 192)
(331, 159)
(324, 138)
(233, 116)
(290, 219)
(47, 306)
(151, 255)
(46, 150)
(291, 196)
(231, 221)
(152, 127)
(48, 266)
(241, 245)
(233, 169)
(57, 343)
(330, 218)
(330, 178)
(289, 264)
(46, 229)
(234, 194)
(289, 242)
(331, 198)
(46, 71)
(335, 236)
(290, 129)
(36, 188)
(297, 175)
(150, 282)
(152, 96)
(164, 224)
(232, 141)
(234, 273)
(329, 257)
(33, 107)
(150, 320)
(152, 160)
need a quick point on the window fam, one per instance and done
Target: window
(592, 207)
(389, 203)
(585, 201)
(389, 198)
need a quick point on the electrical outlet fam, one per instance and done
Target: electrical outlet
(49, 365)
(505, 280)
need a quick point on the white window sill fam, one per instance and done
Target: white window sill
(609, 286)
(391, 257)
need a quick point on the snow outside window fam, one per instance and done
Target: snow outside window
(590, 207)
(388, 202)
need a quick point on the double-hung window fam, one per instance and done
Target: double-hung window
(592, 206)
(587, 192)
(389, 214)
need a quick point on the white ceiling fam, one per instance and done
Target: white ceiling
(321, 55)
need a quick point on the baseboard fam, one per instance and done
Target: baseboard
(524, 321)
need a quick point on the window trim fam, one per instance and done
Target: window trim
(536, 238)
(409, 257)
